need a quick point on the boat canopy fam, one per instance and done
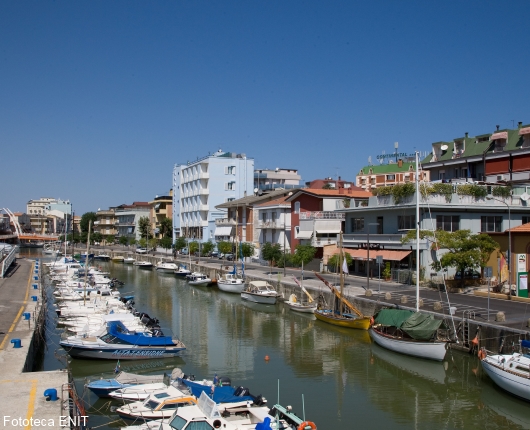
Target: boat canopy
(416, 324)
(220, 394)
(118, 330)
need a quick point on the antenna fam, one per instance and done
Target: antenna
(370, 160)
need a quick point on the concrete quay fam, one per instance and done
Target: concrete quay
(24, 404)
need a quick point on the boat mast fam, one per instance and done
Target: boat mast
(86, 259)
(417, 236)
(341, 272)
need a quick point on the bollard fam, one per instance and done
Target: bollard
(16, 343)
(26, 315)
(36, 271)
(34, 298)
(35, 286)
(35, 278)
(388, 296)
(51, 395)
(404, 299)
(368, 293)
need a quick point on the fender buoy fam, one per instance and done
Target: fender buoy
(307, 425)
(372, 320)
(481, 354)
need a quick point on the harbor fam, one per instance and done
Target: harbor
(336, 375)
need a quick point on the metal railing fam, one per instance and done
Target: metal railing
(321, 215)
(7, 261)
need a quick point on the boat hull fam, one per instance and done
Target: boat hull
(202, 283)
(509, 381)
(230, 288)
(121, 354)
(298, 307)
(259, 298)
(360, 323)
(164, 270)
(429, 350)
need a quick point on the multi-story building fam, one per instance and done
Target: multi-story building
(106, 223)
(274, 222)
(160, 208)
(381, 175)
(201, 185)
(329, 183)
(500, 156)
(45, 204)
(128, 218)
(265, 179)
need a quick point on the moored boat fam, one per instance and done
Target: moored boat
(198, 279)
(143, 264)
(260, 292)
(166, 267)
(182, 271)
(231, 283)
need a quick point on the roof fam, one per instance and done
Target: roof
(254, 200)
(276, 202)
(524, 228)
(356, 192)
(386, 168)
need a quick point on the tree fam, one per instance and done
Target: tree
(85, 219)
(180, 243)
(271, 253)
(207, 247)
(132, 241)
(124, 240)
(166, 227)
(144, 226)
(110, 239)
(193, 247)
(143, 242)
(96, 237)
(328, 186)
(247, 249)
(334, 261)
(153, 242)
(463, 249)
(166, 243)
(224, 247)
(303, 254)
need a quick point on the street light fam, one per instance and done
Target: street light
(368, 255)
(509, 239)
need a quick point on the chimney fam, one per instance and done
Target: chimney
(466, 134)
(497, 127)
(350, 190)
(519, 125)
(400, 163)
(341, 190)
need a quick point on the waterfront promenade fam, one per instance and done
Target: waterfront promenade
(23, 404)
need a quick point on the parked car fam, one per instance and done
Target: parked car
(184, 251)
(141, 250)
(214, 254)
(230, 257)
(468, 274)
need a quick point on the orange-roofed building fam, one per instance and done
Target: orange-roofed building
(274, 222)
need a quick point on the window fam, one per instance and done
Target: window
(230, 170)
(230, 186)
(406, 222)
(526, 219)
(296, 207)
(200, 425)
(264, 216)
(390, 177)
(380, 225)
(441, 175)
(357, 224)
(448, 222)
(491, 224)
(230, 199)
(273, 218)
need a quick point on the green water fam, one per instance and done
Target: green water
(347, 382)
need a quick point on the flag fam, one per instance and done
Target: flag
(345, 266)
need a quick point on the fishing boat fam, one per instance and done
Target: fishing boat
(511, 372)
(260, 292)
(114, 342)
(143, 264)
(166, 267)
(295, 305)
(407, 332)
(343, 313)
(198, 279)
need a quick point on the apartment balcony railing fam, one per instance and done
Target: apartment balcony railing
(125, 224)
(271, 224)
(203, 207)
(321, 215)
(225, 221)
(319, 243)
(454, 199)
(390, 240)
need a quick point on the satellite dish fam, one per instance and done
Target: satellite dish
(444, 147)
(525, 197)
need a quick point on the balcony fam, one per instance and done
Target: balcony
(390, 240)
(321, 242)
(321, 215)
(203, 207)
(271, 224)
(225, 221)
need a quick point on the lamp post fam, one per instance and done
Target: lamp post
(368, 255)
(509, 239)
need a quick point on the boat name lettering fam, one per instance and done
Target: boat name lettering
(119, 353)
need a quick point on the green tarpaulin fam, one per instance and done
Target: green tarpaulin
(417, 325)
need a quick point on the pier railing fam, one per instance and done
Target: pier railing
(7, 261)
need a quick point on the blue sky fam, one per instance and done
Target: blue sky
(99, 99)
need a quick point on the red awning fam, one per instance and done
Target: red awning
(499, 135)
(524, 131)
(389, 255)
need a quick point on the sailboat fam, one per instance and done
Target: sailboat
(405, 331)
(233, 282)
(343, 313)
(309, 307)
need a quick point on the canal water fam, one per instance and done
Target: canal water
(339, 376)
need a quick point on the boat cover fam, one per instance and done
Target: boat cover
(220, 394)
(117, 329)
(416, 324)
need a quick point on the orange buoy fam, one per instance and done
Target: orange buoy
(482, 354)
(475, 341)
(267, 358)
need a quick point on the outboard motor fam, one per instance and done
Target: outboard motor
(224, 381)
(241, 391)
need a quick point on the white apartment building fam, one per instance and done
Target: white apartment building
(265, 179)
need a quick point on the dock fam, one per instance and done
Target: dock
(22, 315)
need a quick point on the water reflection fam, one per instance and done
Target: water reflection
(347, 381)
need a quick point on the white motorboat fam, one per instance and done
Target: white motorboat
(129, 260)
(298, 306)
(511, 372)
(182, 271)
(260, 292)
(198, 279)
(166, 267)
(231, 283)
(143, 264)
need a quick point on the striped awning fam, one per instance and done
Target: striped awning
(387, 254)
(305, 234)
(499, 135)
(223, 231)
(524, 131)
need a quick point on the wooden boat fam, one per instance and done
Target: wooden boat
(118, 258)
(298, 306)
(511, 372)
